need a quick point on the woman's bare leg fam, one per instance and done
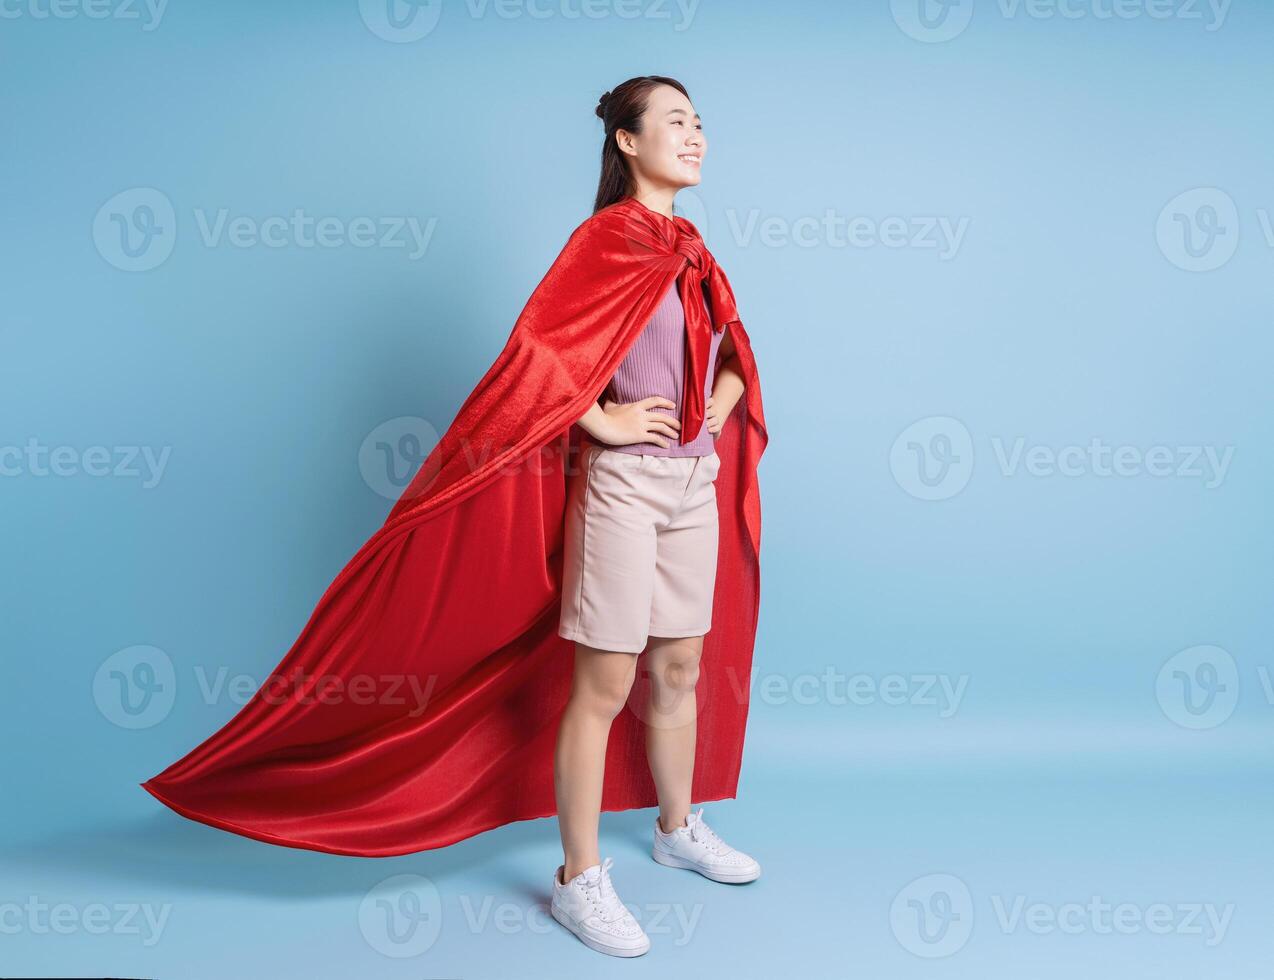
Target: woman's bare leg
(599, 689)
(671, 728)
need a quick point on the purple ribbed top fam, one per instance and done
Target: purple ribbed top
(655, 365)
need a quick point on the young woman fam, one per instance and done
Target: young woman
(432, 695)
(641, 549)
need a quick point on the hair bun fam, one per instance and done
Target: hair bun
(601, 106)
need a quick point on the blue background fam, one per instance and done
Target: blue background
(1080, 759)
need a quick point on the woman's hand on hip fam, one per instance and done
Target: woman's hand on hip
(712, 417)
(624, 423)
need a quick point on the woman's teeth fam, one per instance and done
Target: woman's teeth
(688, 158)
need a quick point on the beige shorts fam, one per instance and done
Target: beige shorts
(641, 548)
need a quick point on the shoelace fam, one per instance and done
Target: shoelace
(702, 833)
(609, 907)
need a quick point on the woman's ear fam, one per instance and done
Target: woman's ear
(624, 140)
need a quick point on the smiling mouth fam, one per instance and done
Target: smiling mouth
(690, 158)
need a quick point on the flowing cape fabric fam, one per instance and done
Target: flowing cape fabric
(456, 597)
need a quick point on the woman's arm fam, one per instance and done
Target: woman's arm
(619, 424)
(595, 422)
(727, 389)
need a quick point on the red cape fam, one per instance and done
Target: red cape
(419, 705)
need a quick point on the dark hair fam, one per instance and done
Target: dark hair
(622, 108)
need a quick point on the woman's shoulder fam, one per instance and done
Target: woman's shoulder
(608, 219)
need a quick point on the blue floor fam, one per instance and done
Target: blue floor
(1046, 850)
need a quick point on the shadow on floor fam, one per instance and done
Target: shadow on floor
(165, 849)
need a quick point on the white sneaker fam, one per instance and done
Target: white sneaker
(588, 906)
(697, 847)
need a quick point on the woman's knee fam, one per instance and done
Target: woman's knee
(673, 664)
(603, 682)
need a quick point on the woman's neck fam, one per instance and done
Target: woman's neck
(657, 199)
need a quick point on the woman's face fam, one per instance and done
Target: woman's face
(669, 150)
